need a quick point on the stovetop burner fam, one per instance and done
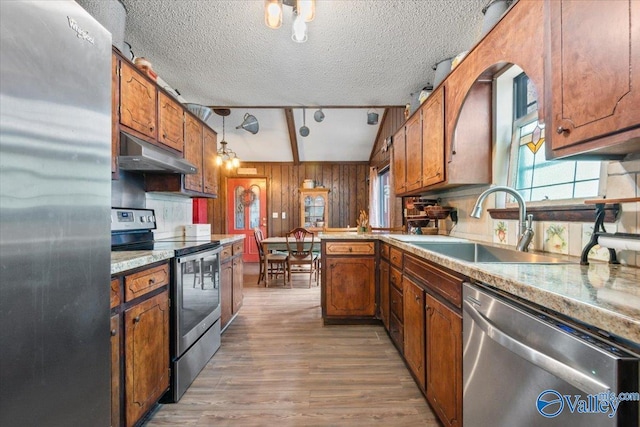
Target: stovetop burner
(131, 230)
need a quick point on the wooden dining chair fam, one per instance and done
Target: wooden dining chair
(270, 263)
(401, 229)
(300, 245)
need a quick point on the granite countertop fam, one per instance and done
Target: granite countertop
(128, 260)
(599, 294)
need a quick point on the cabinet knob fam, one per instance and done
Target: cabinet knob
(560, 130)
(350, 249)
(114, 332)
(152, 281)
(136, 319)
(164, 135)
(151, 128)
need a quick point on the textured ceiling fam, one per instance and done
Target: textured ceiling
(359, 54)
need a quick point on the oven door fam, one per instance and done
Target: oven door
(197, 296)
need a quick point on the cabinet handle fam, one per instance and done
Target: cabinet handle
(152, 281)
(417, 298)
(560, 130)
(114, 332)
(136, 319)
(164, 135)
(350, 249)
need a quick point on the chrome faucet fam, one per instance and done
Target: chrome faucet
(524, 221)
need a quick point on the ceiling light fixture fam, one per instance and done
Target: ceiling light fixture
(303, 10)
(372, 118)
(226, 155)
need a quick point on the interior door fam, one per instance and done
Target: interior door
(246, 210)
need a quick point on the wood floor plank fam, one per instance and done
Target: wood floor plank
(279, 366)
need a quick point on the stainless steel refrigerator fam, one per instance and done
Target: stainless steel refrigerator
(55, 133)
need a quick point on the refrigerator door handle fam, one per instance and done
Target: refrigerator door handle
(565, 372)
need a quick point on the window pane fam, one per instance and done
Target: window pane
(550, 172)
(586, 188)
(254, 208)
(239, 211)
(588, 170)
(554, 192)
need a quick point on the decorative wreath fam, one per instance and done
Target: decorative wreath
(248, 197)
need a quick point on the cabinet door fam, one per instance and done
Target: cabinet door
(170, 122)
(146, 355)
(226, 292)
(444, 361)
(399, 160)
(414, 329)
(433, 139)
(115, 101)
(209, 168)
(115, 370)
(384, 293)
(350, 286)
(237, 283)
(414, 152)
(193, 152)
(138, 100)
(595, 69)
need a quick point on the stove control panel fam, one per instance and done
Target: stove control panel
(124, 219)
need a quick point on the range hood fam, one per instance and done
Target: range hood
(141, 156)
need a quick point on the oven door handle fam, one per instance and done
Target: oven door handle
(565, 372)
(200, 255)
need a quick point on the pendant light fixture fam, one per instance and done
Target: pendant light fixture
(304, 130)
(303, 11)
(226, 156)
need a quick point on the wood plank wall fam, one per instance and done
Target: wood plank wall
(348, 182)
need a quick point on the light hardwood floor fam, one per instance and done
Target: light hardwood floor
(279, 366)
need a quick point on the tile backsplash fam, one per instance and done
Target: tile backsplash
(623, 181)
(172, 213)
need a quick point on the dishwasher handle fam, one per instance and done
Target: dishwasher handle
(565, 372)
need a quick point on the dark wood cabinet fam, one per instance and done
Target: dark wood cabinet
(592, 77)
(433, 143)
(398, 173)
(384, 292)
(413, 164)
(414, 329)
(231, 281)
(444, 361)
(210, 170)
(193, 153)
(138, 101)
(348, 280)
(396, 316)
(115, 370)
(115, 102)
(170, 122)
(146, 344)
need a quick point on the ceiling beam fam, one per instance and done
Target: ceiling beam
(293, 139)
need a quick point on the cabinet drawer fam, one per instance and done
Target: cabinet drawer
(395, 256)
(350, 248)
(396, 331)
(227, 251)
(440, 281)
(395, 297)
(395, 278)
(237, 247)
(384, 250)
(145, 281)
(115, 293)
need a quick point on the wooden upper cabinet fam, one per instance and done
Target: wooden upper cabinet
(433, 139)
(170, 122)
(592, 77)
(138, 101)
(413, 130)
(209, 168)
(399, 161)
(193, 152)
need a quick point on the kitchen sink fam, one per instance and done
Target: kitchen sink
(478, 252)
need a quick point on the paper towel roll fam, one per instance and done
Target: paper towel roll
(619, 243)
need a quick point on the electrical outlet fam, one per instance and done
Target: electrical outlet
(274, 215)
(284, 215)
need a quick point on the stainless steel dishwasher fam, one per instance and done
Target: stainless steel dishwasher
(523, 367)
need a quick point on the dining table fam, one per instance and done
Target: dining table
(279, 243)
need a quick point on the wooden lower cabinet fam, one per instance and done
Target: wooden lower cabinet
(414, 329)
(146, 344)
(349, 286)
(384, 293)
(115, 370)
(444, 361)
(231, 282)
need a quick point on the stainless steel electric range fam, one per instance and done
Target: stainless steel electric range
(194, 292)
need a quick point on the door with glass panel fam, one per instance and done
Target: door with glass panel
(246, 210)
